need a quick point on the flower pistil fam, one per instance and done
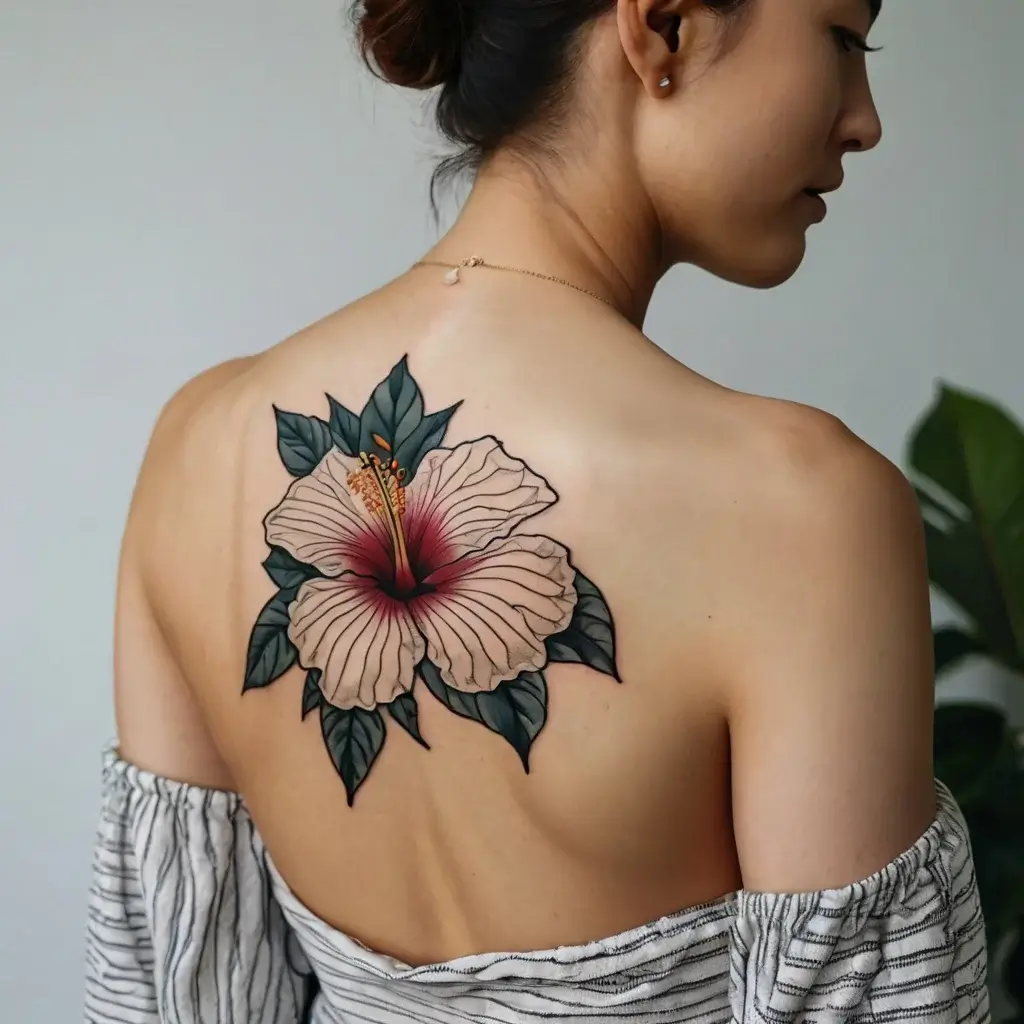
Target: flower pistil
(379, 486)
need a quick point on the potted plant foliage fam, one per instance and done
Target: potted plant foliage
(966, 457)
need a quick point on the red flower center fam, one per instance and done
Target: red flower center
(407, 549)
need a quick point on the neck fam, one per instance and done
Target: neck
(593, 228)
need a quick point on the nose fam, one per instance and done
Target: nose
(860, 127)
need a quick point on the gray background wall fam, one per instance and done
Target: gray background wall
(181, 183)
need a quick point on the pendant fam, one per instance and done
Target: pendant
(452, 277)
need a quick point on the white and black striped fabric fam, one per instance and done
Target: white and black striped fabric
(190, 923)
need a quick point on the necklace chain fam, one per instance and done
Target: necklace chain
(454, 269)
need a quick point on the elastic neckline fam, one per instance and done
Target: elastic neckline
(118, 771)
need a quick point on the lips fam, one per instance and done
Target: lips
(819, 207)
(814, 190)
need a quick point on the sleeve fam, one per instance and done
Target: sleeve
(182, 923)
(905, 945)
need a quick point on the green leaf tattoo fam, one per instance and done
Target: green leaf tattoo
(312, 695)
(404, 711)
(590, 638)
(386, 537)
(302, 441)
(344, 427)
(354, 738)
(271, 653)
(393, 412)
(286, 570)
(515, 710)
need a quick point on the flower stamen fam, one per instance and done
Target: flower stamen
(379, 487)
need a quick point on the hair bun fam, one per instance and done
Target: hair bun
(414, 43)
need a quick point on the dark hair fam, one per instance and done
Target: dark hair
(503, 65)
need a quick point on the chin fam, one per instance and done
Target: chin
(762, 267)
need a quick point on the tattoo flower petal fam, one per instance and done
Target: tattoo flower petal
(491, 611)
(323, 524)
(364, 642)
(463, 498)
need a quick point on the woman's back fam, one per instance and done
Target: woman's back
(524, 653)
(688, 507)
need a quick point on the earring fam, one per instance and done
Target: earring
(665, 82)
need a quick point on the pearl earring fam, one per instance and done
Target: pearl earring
(665, 82)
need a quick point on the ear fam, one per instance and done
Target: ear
(655, 36)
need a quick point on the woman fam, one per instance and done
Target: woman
(528, 675)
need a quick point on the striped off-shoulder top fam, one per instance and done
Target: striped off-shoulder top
(189, 921)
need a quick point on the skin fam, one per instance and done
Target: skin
(764, 566)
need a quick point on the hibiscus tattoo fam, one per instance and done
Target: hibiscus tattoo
(399, 559)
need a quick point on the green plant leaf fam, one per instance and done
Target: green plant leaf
(590, 636)
(973, 451)
(993, 806)
(516, 709)
(951, 645)
(312, 695)
(404, 711)
(428, 434)
(958, 566)
(344, 427)
(286, 570)
(999, 865)
(302, 441)
(392, 413)
(270, 652)
(1013, 969)
(354, 738)
(967, 738)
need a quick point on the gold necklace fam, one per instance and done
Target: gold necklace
(452, 277)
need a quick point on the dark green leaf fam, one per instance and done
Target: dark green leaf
(302, 441)
(344, 426)
(393, 412)
(312, 695)
(935, 449)
(939, 506)
(271, 653)
(974, 451)
(404, 711)
(998, 854)
(967, 739)
(428, 434)
(354, 739)
(1013, 969)
(286, 570)
(959, 567)
(515, 709)
(952, 645)
(590, 636)
(992, 800)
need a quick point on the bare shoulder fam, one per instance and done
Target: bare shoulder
(200, 398)
(797, 455)
(193, 447)
(181, 482)
(830, 491)
(831, 681)
(195, 473)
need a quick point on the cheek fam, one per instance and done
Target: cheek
(725, 185)
(728, 164)
(773, 143)
(730, 201)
